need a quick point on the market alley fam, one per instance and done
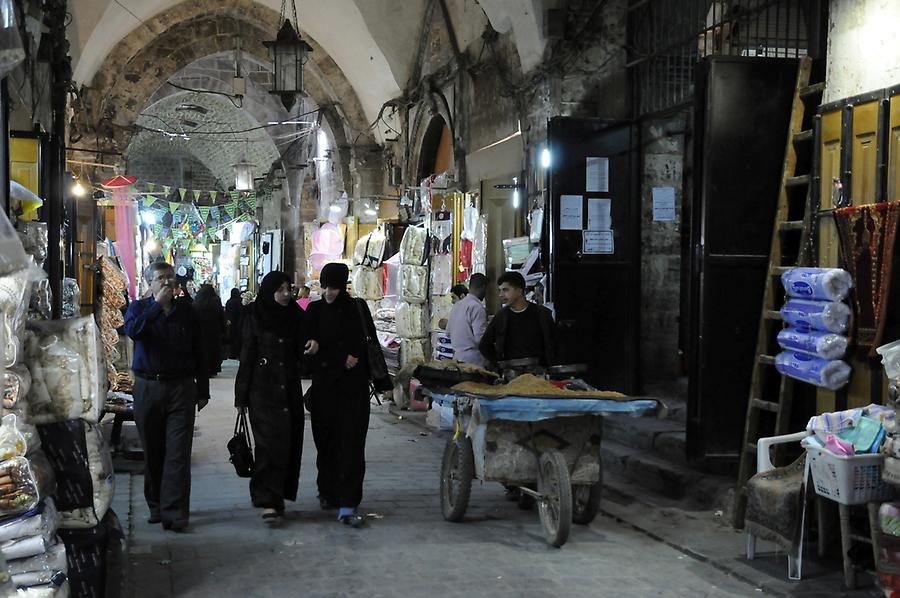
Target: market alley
(406, 549)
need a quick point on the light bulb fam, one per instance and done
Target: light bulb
(516, 199)
(335, 208)
(545, 158)
(149, 218)
(78, 189)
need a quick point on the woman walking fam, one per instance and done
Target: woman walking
(273, 342)
(233, 309)
(339, 404)
(208, 308)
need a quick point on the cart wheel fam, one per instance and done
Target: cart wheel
(457, 472)
(586, 502)
(555, 507)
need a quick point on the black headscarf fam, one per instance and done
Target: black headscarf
(274, 317)
(207, 299)
(335, 276)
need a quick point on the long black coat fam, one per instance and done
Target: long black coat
(268, 383)
(212, 325)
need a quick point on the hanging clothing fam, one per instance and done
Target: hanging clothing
(268, 384)
(339, 405)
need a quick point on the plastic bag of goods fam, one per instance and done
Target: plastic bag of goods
(414, 246)
(369, 250)
(42, 520)
(827, 316)
(15, 293)
(84, 474)
(368, 283)
(825, 345)
(890, 359)
(823, 284)
(413, 350)
(18, 487)
(413, 283)
(12, 253)
(412, 320)
(441, 274)
(830, 374)
(66, 363)
(71, 298)
(441, 306)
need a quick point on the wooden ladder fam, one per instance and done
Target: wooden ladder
(792, 240)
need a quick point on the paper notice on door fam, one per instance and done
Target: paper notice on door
(663, 204)
(571, 212)
(599, 217)
(598, 242)
(597, 175)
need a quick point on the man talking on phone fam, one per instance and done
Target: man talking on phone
(170, 383)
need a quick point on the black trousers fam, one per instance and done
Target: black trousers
(164, 414)
(340, 422)
(278, 434)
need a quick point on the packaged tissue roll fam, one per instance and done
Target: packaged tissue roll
(827, 316)
(824, 284)
(832, 374)
(825, 345)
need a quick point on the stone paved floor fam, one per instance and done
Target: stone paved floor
(406, 550)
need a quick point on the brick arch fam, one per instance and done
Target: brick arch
(143, 61)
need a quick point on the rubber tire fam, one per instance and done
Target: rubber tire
(555, 509)
(458, 463)
(584, 511)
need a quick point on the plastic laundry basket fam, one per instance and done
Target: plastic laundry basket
(848, 480)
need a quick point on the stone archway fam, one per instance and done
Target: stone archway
(141, 63)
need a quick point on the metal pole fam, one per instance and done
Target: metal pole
(4, 147)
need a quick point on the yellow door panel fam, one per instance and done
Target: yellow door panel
(24, 155)
(863, 163)
(893, 157)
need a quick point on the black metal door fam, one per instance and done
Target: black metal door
(596, 296)
(742, 110)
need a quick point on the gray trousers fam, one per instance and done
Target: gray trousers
(164, 415)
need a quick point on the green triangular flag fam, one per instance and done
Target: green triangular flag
(157, 229)
(173, 206)
(251, 202)
(212, 195)
(151, 187)
(197, 195)
(149, 201)
(235, 195)
(204, 213)
(231, 208)
(181, 193)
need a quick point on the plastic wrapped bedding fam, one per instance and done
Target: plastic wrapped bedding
(827, 316)
(42, 520)
(39, 569)
(12, 253)
(66, 363)
(824, 345)
(414, 246)
(12, 441)
(369, 250)
(833, 374)
(16, 384)
(14, 299)
(374, 305)
(413, 350)
(441, 306)
(412, 320)
(29, 546)
(823, 284)
(50, 590)
(413, 284)
(83, 494)
(368, 283)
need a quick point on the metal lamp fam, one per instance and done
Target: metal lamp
(243, 175)
(288, 54)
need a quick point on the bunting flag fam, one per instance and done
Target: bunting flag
(213, 195)
(197, 195)
(148, 201)
(251, 202)
(181, 193)
(157, 229)
(173, 206)
(214, 210)
(151, 187)
(231, 207)
(167, 190)
(235, 195)
(204, 213)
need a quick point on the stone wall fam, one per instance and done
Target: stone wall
(173, 170)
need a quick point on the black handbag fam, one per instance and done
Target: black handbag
(377, 366)
(240, 447)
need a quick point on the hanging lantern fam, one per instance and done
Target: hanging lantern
(288, 54)
(243, 175)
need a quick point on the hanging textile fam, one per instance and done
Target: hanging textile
(867, 235)
(124, 223)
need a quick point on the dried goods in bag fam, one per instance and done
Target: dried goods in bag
(18, 488)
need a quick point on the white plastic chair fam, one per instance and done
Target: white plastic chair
(764, 464)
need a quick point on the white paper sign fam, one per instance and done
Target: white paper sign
(599, 217)
(598, 242)
(597, 175)
(663, 204)
(571, 212)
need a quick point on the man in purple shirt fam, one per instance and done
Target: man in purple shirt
(467, 323)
